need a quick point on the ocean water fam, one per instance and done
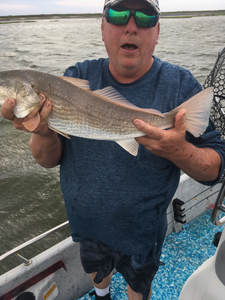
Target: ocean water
(30, 196)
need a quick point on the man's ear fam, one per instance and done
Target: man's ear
(158, 31)
(102, 28)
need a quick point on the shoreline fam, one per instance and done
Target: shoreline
(33, 18)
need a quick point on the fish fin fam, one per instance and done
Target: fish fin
(130, 146)
(111, 94)
(32, 123)
(197, 111)
(59, 132)
(84, 84)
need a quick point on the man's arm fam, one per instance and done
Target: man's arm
(45, 145)
(202, 164)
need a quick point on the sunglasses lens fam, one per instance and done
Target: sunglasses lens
(144, 20)
(118, 17)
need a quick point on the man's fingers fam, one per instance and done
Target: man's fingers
(9, 104)
(45, 112)
(150, 131)
(35, 111)
(156, 133)
(7, 109)
(180, 120)
(31, 121)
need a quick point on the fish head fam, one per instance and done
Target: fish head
(26, 100)
(25, 96)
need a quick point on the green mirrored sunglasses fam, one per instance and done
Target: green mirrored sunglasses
(121, 16)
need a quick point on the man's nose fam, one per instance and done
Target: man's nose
(131, 25)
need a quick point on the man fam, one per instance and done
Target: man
(117, 203)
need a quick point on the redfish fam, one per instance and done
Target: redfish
(101, 114)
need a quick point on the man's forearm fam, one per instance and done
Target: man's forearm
(47, 150)
(202, 164)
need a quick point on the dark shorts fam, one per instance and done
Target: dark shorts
(100, 258)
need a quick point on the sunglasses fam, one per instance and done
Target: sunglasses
(121, 16)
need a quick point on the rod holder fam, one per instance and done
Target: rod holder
(178, 210)
(23, 259)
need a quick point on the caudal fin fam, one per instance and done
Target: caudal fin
(197, 111)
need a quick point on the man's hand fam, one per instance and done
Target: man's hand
(44, 109)
(45, 145)
(166, 143)
(202, 164)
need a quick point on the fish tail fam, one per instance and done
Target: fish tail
(197, 111)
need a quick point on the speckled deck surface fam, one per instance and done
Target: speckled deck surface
(182, 253)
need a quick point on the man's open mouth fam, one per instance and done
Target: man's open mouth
(129, 47)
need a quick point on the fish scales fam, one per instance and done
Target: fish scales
(96, 118)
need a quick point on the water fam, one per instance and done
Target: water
(30, 196)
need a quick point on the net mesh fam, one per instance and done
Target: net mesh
(216, 79)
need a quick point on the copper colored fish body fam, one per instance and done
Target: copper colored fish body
(102, 114)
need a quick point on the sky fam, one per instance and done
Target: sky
(28, 7)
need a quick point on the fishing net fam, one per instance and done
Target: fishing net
(216, 79)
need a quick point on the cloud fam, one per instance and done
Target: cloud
(27, 7)
(84, 4)
(177, 5)
(15, 7)
(66, 3)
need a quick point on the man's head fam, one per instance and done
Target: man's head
(130, 30)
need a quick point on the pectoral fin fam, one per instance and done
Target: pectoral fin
(32, 123)
(130, 146)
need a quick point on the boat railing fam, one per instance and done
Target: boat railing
(30, 242)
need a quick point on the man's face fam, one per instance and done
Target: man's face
(129, 47)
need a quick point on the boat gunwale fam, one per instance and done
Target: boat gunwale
(34, 240)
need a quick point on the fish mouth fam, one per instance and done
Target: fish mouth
(129, 47)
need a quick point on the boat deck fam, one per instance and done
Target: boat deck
(182, 254)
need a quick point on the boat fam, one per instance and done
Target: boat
(56, 273)
(208, 281)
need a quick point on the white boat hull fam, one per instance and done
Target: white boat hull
(71, 283)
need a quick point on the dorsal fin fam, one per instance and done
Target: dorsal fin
(84, 84)
(111, 94)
